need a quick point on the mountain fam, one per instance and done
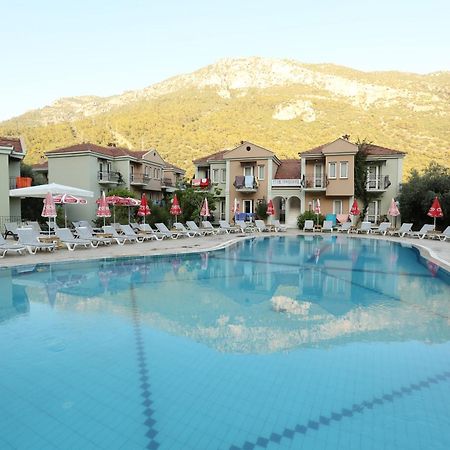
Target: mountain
(280, 104)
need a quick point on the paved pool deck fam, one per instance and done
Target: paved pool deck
(435, 250)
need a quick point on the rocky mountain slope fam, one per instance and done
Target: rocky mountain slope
(283, 105)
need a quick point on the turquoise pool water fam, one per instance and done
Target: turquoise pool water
(276, 343)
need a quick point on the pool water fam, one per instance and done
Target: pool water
(273, 343)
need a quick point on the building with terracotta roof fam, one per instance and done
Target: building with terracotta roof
(328, 176)
(250, 173)
(12, 151)
(97, 168)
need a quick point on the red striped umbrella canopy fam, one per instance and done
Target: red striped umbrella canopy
(435, 210)
(354, 211)
(69, 199)
(49, 209)
(144, 209)
(204, 212)
(103, 208)
(175, 209)
(129, 201)
(270, 209)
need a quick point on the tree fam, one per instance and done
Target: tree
(419, 191)
(31, 208)
(361, 174)
(191, 201)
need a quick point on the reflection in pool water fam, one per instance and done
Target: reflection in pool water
(238, 347)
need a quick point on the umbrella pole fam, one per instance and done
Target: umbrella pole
(65, 216)
(435, 223)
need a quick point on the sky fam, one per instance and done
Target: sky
(60, 48)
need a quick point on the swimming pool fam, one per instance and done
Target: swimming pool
(280, 343)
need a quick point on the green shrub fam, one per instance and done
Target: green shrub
(261, 210)
(309, 215)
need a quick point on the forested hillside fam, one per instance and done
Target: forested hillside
(282, 105)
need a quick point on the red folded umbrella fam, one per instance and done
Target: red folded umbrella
(175, 209)
(354, 211)
(435, 210)
(270, 209)
(144, 209)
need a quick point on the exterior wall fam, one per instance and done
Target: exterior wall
(340, 186)
(4, 185)
(77, 171)
(219, 165)
(326, 202)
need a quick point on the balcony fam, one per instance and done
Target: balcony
(202, 183)
(139, 179)
(19, 182)
(109, 177)
(314, 182)
(380, 183)
(281, 182)
(245, 184)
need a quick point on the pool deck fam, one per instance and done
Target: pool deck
(436, 251)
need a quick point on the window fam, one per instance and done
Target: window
(223, 173)
(155, 172)
(344, 169)
(247, 206)
(318, 175)
(337, 206)
(248, 171)
(332, 170)
(108, 167)
(215, 175)
(148, 171)
(261, 170)
(373, 211)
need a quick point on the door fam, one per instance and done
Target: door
(318, 175)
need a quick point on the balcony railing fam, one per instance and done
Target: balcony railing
(314, 182)
(139, 179)
(281, 182)
(109, 177)
(245, 184)
(19, 182)
(203, 183)
(380, 183)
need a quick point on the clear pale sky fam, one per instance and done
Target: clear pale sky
(59, 48)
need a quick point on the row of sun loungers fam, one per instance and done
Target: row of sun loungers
(383, 229)
(84, 235)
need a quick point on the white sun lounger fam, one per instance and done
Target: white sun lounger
(184, 231)
(207, 225)
(309, 225)
(366, 227)
(119, 238)
(6, 247)
(130, 233)
(382, 229)
(445, 235)
(403, 230)
(345, 227)
(86, 233)
(146, 228)
(327, 226)
(422, 232)
(68, 239)
(261, 226)
(30, 239)
(244, 226)
(278, 227)
(224, 225)
(195, 229)
(164, 230)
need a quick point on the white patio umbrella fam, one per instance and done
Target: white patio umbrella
(54, 189)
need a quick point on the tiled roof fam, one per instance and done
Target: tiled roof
(372, 149)
(11, 142)
(218, 156)
(107, 151)
(288, 169)
(376, 150)
(41, 166)
(171, 166)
